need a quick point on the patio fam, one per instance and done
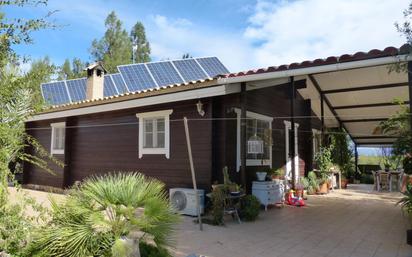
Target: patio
(353, 222)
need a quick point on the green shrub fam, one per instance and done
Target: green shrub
(249, 208)
(147, 250)
(217, 199)
(366, 179)
(104, 209)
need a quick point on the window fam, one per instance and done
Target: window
(57, 138)
(258, 128)
(154, 133)
(316, 141)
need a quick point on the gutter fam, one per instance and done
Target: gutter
(317, 69)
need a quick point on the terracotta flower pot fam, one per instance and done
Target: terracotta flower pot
(323, 188)
(344, 183)
(407, 179)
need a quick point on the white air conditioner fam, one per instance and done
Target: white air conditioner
(184, 200)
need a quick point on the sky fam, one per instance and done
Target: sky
(243, 34)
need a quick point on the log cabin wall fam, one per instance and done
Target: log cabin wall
(270, 101)
(108, 142)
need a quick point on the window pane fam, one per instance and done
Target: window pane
(161, 124)
(160, 139)
(148, 140)
(61, 139)
(56, 138)
(261, 129)
(148, 125)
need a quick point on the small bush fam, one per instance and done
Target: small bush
(249, 208)
(366, 179)
(147, 250)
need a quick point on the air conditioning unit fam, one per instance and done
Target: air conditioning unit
(184, 200)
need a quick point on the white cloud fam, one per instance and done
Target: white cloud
(295, 31)
(171, 38)
(285, 32)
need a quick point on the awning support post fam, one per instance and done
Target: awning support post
(322, 118)
(243, 134)
(292, 130)
(356, 158)
(410, 91)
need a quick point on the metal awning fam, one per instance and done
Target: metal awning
(357, 91)
(359, 98)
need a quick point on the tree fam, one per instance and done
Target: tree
(66, 70)
(186, 56)
(41, 71)
(115, 47)
(141, 47)
(78, 67)
(19, 99)
(72, 70)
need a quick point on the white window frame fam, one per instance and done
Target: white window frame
(55, 126)
(252, 162)
(315, 133)
(157, 114)
(288, 174)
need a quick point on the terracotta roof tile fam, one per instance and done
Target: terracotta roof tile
(374, 53)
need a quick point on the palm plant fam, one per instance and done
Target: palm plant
(406, 201)
(108, 216)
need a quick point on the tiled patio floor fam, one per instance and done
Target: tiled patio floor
(346, 223)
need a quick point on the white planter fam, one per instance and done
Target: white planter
(261, 176)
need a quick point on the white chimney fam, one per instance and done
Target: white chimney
(95, 81)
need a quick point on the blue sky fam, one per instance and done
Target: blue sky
(244, 34)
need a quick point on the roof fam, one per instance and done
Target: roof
(374, 53)
(135, 79)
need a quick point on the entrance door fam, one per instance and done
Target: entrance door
(288, 141)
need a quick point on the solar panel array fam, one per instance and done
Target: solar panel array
(137, 78)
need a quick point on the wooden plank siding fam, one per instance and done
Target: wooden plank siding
(108, 142)
(270, 101)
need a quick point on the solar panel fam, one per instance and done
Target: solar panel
(190, 69)
(77, 89)
(164, 73)
(109, 88)
(137, 77)
(212, 66)
(120, 85)
(55, 93)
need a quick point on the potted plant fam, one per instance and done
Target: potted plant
(234, 189)
(313, 184)
(276, 173)
(324, 162)
(261, 175)
(305, 185)
(344, 182)
(406, 204)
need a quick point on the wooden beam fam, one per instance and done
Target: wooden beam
(243, 134)
(410, 91)
(374, 143)
(322, 117)
(374, 137)
(292, 129)
(372, 87)
(68, 139)
(366, 105)
(364, 120)
(316, 84)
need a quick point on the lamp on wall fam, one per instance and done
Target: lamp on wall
(199, 107)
